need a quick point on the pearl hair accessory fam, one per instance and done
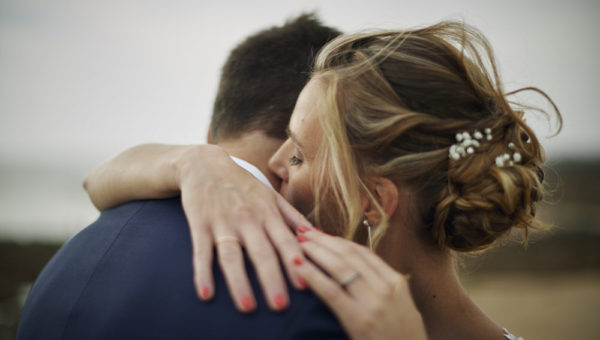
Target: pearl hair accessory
(466, 145)
(506, 159)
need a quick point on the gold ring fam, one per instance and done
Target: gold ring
(349, 280)
(227, 239)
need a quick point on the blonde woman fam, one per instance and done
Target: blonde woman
(404, 142)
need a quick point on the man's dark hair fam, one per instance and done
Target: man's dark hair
(263, 77)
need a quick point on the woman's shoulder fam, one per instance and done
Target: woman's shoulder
(509, 336)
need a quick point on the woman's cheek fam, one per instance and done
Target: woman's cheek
(299, 194)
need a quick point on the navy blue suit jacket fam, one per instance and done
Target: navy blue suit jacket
(129, 276)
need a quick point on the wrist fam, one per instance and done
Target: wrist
(192, 159)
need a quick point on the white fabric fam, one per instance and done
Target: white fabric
(252, 170)
(509, 336)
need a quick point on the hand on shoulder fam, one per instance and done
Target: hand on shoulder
(371, 299)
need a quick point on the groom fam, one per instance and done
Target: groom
(129, 274)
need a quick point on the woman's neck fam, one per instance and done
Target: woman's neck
(447, 310)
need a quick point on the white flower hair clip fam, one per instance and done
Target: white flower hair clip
(506, 159)
(466, 144)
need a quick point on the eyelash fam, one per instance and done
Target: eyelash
(295, 161)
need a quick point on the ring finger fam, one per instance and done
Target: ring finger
(267, 267)
(231, 261)
(349, 276)
(350, 253)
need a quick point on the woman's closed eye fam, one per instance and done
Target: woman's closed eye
(295, 161)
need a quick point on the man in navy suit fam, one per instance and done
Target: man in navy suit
(129, 274)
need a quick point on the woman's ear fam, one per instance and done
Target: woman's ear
(385, 193)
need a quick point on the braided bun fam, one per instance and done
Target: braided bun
(397, 100)
(483, 201)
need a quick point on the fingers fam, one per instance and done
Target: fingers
(231, 261)
(285, 241)
(328, 290)
(262, 246)
(221, 211)
(376, 263)
(368, 306)
(347, 308)
(202, 257)
(266, 264)
(291, 216)
(342, 259)
(202, 249)
(288, 248)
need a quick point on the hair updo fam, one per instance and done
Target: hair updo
(396, 100)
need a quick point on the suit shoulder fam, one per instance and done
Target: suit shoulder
(311, 319)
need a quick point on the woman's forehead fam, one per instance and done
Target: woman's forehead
(304, 124)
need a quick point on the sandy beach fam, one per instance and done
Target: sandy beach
(551, 302)
(548, 290)
(555, 306)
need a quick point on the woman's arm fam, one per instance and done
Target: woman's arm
(142, 172)
(222, 202)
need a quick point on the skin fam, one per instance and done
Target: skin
(240, 225)
(205, 176)
(244, 147)
(434, 284)
(379, 304)
(294, 162)
(228, 195)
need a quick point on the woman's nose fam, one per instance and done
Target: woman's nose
(278, 164)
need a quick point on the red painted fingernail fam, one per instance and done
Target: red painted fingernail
(280, 301)
(301, 238)
(303, 229)
(297, 260)
(247, 303)
(302, 283)
(204, 292)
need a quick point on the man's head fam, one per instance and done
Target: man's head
(263, 76)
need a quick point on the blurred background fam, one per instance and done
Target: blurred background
(82, 80)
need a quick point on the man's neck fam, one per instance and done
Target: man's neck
(255, 148)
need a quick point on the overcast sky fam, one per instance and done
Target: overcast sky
(81, 80)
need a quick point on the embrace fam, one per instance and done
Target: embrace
(334, 191)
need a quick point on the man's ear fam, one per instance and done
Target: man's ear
(385, 193)
(209, 136)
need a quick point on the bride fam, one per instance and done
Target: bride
(403, 142)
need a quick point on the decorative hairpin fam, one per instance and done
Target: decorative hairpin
(466, 144)
(506, 159)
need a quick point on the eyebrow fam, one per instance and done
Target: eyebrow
(293, 137)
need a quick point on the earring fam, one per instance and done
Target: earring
(366, 224)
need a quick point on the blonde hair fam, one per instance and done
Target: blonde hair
(395, 101)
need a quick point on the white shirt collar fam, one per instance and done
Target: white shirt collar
(252, 170)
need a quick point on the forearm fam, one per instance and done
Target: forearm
(148, 171)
